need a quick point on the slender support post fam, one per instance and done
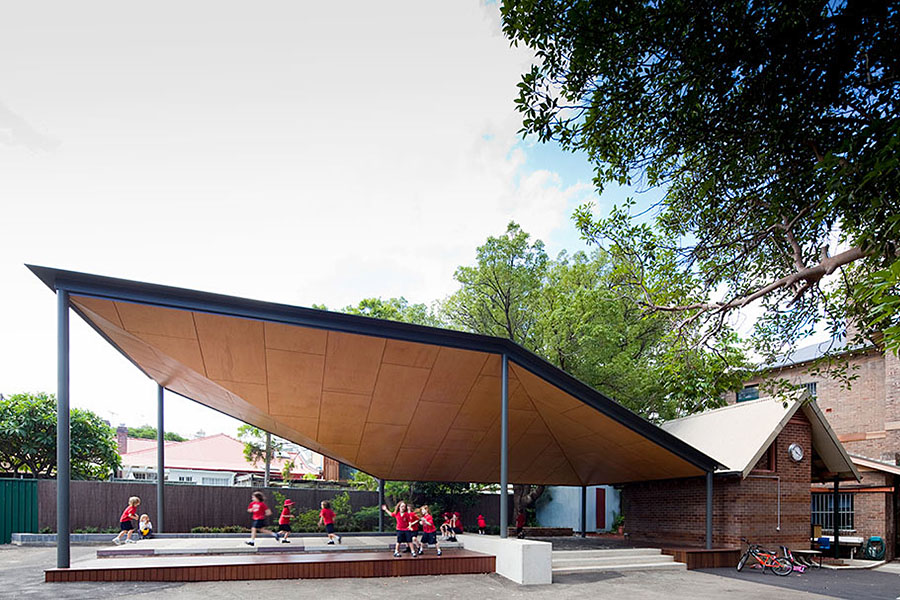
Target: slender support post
(836, 517)
(709, 509)
(268, 459)
(583, 511)
(63, 467)
(159, 524)
(380, 504)
(504, 447)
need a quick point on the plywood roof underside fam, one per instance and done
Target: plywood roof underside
(398, 410)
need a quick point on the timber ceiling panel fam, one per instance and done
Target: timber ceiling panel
(393, 408)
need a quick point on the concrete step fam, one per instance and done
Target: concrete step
(658, 566)
(617, 552)
(610, 560)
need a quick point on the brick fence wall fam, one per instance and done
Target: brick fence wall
(674, 511)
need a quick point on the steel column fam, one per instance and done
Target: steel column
(380, 504)
(504, 446)
(583, 511)
(709, 509)
(63, 456)
(159, 524)
(268, 459)
(835, 515)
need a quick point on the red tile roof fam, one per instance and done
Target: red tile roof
(218, 452)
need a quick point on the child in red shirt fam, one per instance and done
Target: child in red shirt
(413, 519)
(127, 521)
(446, 531)
(259, 511)
(520, 524)
(429, 535)
(481, 524)
(401, 515)
(326, 518)
(284, 521)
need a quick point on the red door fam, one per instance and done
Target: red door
(601, 508)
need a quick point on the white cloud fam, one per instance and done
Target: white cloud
(294, 152)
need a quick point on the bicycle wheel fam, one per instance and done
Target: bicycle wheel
(743, 561)
(782, 567)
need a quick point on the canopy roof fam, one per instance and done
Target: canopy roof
(398, 401)
(739, 434)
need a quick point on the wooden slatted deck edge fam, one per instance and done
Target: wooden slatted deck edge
(274, 566)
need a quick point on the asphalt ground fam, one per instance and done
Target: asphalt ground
(856, 584)
(22, 576)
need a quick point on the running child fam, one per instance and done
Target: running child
(326, 518)
(482, 524)
(127, 520)
(284, 521)
(145, 527)
(259, 511)
(400, 515)
(429, 531)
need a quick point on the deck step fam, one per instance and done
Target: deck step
(611, 560)
(659, 566)
(616, 552)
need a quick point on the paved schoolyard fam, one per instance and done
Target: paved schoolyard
(21, 576)
(877, 584)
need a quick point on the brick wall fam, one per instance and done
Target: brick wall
(866, 417)
(674, 511)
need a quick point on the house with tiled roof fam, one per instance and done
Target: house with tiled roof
(211, 460)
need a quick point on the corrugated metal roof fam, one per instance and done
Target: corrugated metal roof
(813, 352)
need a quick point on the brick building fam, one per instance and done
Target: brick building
(762, 492)
(866, 419)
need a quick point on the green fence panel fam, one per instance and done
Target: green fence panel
(18, 507)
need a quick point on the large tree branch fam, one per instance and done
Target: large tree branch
(809, 276)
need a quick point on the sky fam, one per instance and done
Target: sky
(291, 152)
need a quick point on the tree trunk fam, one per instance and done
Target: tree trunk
(524, 497)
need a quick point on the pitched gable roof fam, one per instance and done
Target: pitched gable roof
(738, 435)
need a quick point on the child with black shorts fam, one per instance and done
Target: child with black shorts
(429, 531)
(259, 511)
(401, 516)
(326, 518)
(127, 521)
(284, 521)
(413, 520)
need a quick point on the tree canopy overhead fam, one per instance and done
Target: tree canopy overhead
(772, 127)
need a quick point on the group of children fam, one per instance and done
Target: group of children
(409, 522)
(126, 523)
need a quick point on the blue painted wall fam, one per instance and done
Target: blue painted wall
(560, 506)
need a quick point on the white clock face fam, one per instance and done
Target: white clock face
(796, 452)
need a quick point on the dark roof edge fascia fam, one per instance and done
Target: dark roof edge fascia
(180, 298)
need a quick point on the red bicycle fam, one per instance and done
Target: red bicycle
(765, 559)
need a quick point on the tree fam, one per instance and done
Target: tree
(28, 439)
(392, 309)
(771, 128)
(149, 433)
(498, 296)
(254, 440)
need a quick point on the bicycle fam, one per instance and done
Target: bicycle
(766, 559)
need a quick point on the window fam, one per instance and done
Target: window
(140, 475)
(750, 392)
(185, 478)
(811, 388)
(822, 513)
(215, 481)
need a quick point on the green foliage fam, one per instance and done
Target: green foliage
(366, 518)
(442, 494)
(226, 529)
(254, 440)
(883, 299)
(149, 433)
(770, 129)
(394, 491)
(28, 439)
(308, 520)
(393, 309)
